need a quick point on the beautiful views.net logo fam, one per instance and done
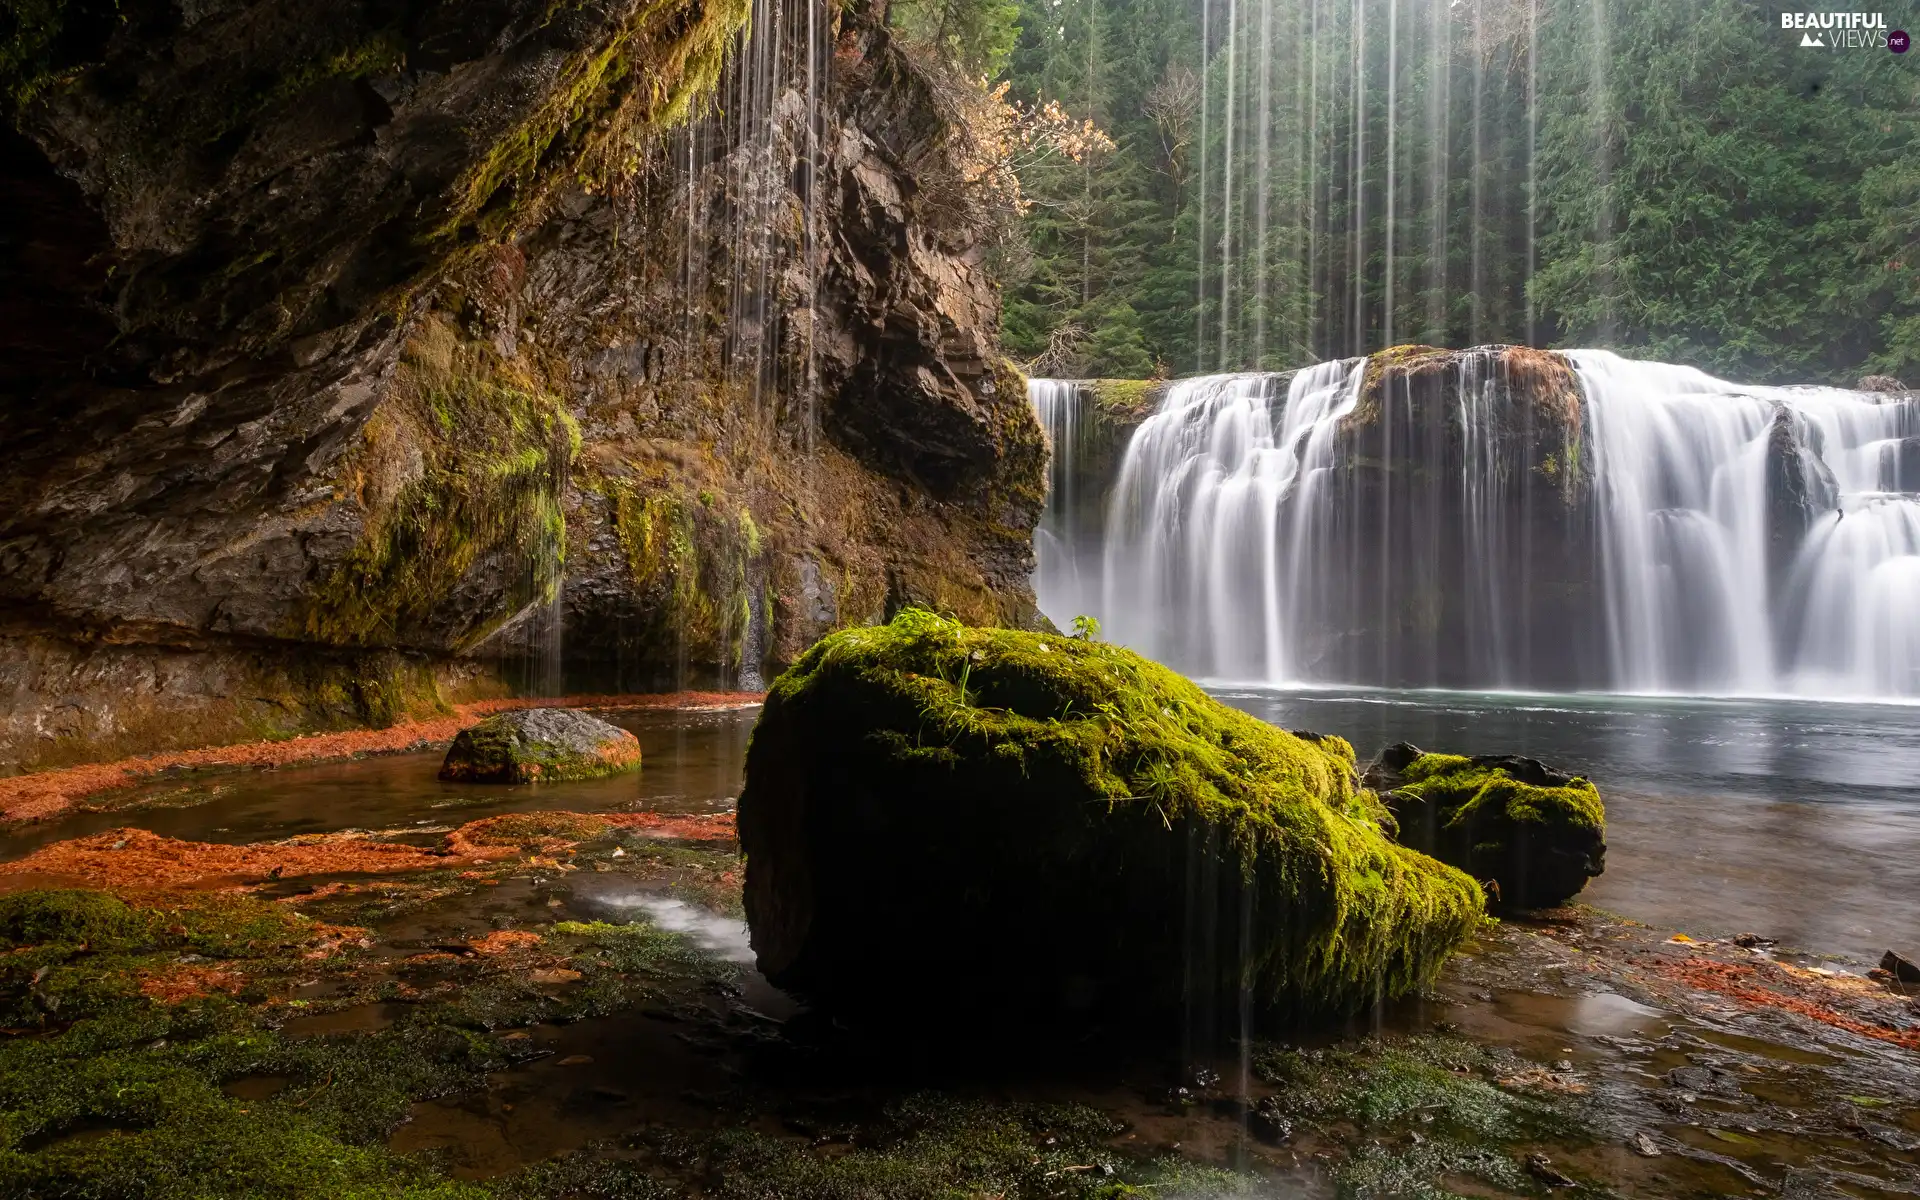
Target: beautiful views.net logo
(1839, 30)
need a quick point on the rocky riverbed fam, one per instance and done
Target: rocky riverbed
(546, 991)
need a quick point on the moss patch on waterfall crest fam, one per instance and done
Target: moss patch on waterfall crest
(1537, 833)
(463, 470)
(1066, 824)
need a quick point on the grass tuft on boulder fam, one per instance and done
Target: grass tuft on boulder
(1034, 822)
(540, 745)
(1536, 832)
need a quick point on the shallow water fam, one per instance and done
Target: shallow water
(690, 762)
(1730, 778)
(1795, 819)
(1798, 820)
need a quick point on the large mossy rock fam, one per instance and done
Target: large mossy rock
(938, 815)
(1537, 833)
(540, 745)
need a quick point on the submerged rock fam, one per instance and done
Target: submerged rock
(540, 745)
(1536, 832)
(996, 820)
(1901, 968)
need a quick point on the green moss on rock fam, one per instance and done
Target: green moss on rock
(540, 745)
(1046, 822)
(1128, 401)
(1536, 833)
(461, 476)
(691, 559)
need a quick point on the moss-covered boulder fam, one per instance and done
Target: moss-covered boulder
(1000, 820)
(540, 745)
(1536, 833)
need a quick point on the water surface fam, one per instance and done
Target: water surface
(690, 762)
(1795, 819)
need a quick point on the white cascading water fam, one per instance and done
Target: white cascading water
(1680, 465)
(1220, 549)
(1216, 514)
(1057, 540)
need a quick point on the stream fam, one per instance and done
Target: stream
(1796, 819)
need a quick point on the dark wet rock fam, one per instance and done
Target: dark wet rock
(1902, 968)
(1541, 1167)
(1269, 1121)
(1408, 605)
(1753, 941)
(540, 745)
(1644, 1145)
(1705, 1081)
(1880, 383)
(1900, 465)
(323, 391)
(1536, 832)
(1800, 490)
(1012, 822)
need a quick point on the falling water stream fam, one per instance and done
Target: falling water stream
(1367, 171)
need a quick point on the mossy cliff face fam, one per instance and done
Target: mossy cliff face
(357, 343)
(263, 175)
(878, 453)
(1026, 821)
(1464, 491)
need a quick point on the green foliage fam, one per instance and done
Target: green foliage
(1443, 1089)
(1112, 256)
(1712, 200)
(1690, 185)
(1086, 628)
(1069, 761)
(974, 35)
(494, 451)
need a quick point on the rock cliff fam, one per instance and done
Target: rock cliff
(365, 354)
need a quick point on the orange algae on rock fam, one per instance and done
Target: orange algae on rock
(138, 858)
(181, 983)
(128, 857)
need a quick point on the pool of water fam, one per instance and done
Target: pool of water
(1794, 819)
(1797, 820)
(1801, 821)
(690, 762)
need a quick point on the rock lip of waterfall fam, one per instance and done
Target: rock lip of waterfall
(1466, 519)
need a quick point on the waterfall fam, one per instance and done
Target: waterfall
(1058, 579)
(1682, 463)
(1217, 513)
(1357, 524)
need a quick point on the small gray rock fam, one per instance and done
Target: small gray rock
(540, 745)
